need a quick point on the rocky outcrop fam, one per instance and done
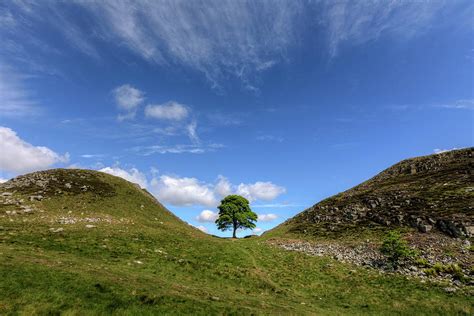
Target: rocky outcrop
(44, 184)
(439, 258)
(431, 193)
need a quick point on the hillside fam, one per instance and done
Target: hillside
(74, 198)
(430, 193)
(81, 242)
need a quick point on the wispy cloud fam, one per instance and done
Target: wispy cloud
(192, 132)
(270, 138)
(226, 119)
(90, 156)
(467, 104)
(358, 22)
(15, 99)
(217, 38)
(197, 148)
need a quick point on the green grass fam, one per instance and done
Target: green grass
(155, 264)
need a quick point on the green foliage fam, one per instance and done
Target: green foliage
(235, 213)
(452, 269)
(395, 248)
(422, 262)
(430, 272)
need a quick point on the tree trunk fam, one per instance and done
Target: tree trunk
(234, 235)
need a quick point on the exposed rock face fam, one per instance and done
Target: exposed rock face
(428, 193)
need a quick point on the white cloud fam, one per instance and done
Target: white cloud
(440, 151)
(186, 191)
(267, 217)
(133, 175)
(201, 228)
(19, 156)
(128, 99)
(169, 111)
(207, 216)
(257, 230)
(3, 180)
(191, 191)
(183, 191)
(260, 191)
(223, 187)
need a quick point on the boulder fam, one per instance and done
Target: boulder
(425, 228)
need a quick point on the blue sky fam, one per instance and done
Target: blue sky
(284, 102)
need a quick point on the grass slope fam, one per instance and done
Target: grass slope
(412, 192)
(140, 259)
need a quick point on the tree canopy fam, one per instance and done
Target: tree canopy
(235, 213)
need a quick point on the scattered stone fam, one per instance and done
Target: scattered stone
(433, 250)
(91, 226)
(450, 289)
(424, 228)
(68, 185)
(27, 210)
(56, 230)
(67, 220)
(35, 197)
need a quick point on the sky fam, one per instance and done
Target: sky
(283, 102)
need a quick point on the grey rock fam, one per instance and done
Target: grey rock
(450, 289)
(424, 228)
(35, 197)
(469, 231)
(56, 230)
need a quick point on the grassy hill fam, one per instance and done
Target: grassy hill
(78, 242)
(430, 194)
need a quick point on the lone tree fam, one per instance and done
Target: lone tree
(234, 213)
